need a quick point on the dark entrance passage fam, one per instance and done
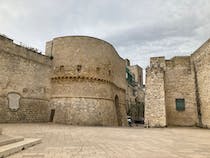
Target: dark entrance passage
(118, 113)
(52, 113)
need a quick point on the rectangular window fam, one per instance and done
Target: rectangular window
(180, 104)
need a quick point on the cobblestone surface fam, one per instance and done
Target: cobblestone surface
(62, 141)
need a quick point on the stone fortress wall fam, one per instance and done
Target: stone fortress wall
(24, 83)
(155, 110)
(185, 78)
(179, 83)
(81, 78)
(201, 63)
(88, 79)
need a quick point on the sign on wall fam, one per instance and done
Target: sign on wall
(13, 101)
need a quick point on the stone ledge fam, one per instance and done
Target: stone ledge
(5, 140)
(10, 149)
(64, 78)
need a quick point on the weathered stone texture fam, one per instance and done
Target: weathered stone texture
(201, 61)
(179, 83)
(96, 58)
(184, 77)
(82, 79)
(26, 73)
(85, 111)
(155, 111)
(88, 75)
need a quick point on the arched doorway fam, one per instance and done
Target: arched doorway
(118, 113)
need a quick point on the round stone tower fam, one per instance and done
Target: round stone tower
(88, 82)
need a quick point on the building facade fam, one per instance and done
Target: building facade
(134, 93)
(79, 81)
(177, 90)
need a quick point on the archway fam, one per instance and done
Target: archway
(118, 113)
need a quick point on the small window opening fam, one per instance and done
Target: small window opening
(79, 67)
(180, 104)
(61, 68)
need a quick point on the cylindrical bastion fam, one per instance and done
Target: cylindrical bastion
(88, 82)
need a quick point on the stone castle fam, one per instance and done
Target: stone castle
(79, 81)
(83, 81)
(178, 90)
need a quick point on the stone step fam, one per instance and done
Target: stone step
(9, 149)
(5, 140)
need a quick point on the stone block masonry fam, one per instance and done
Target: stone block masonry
(184, 79)
(88, 82)
(155, 110)
(24, 83)
(80, 81)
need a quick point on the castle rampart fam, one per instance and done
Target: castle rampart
(24, 83)
(80, 81)
(87, 72)
(185, 82)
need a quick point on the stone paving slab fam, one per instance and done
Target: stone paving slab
(15, 147)
(4, 139)
(65, 141)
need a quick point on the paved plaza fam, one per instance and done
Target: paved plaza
(63, 141)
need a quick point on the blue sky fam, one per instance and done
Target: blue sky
(138, 29)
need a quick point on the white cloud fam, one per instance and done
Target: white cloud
(138, 29)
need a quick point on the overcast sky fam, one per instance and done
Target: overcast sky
(138, 29)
